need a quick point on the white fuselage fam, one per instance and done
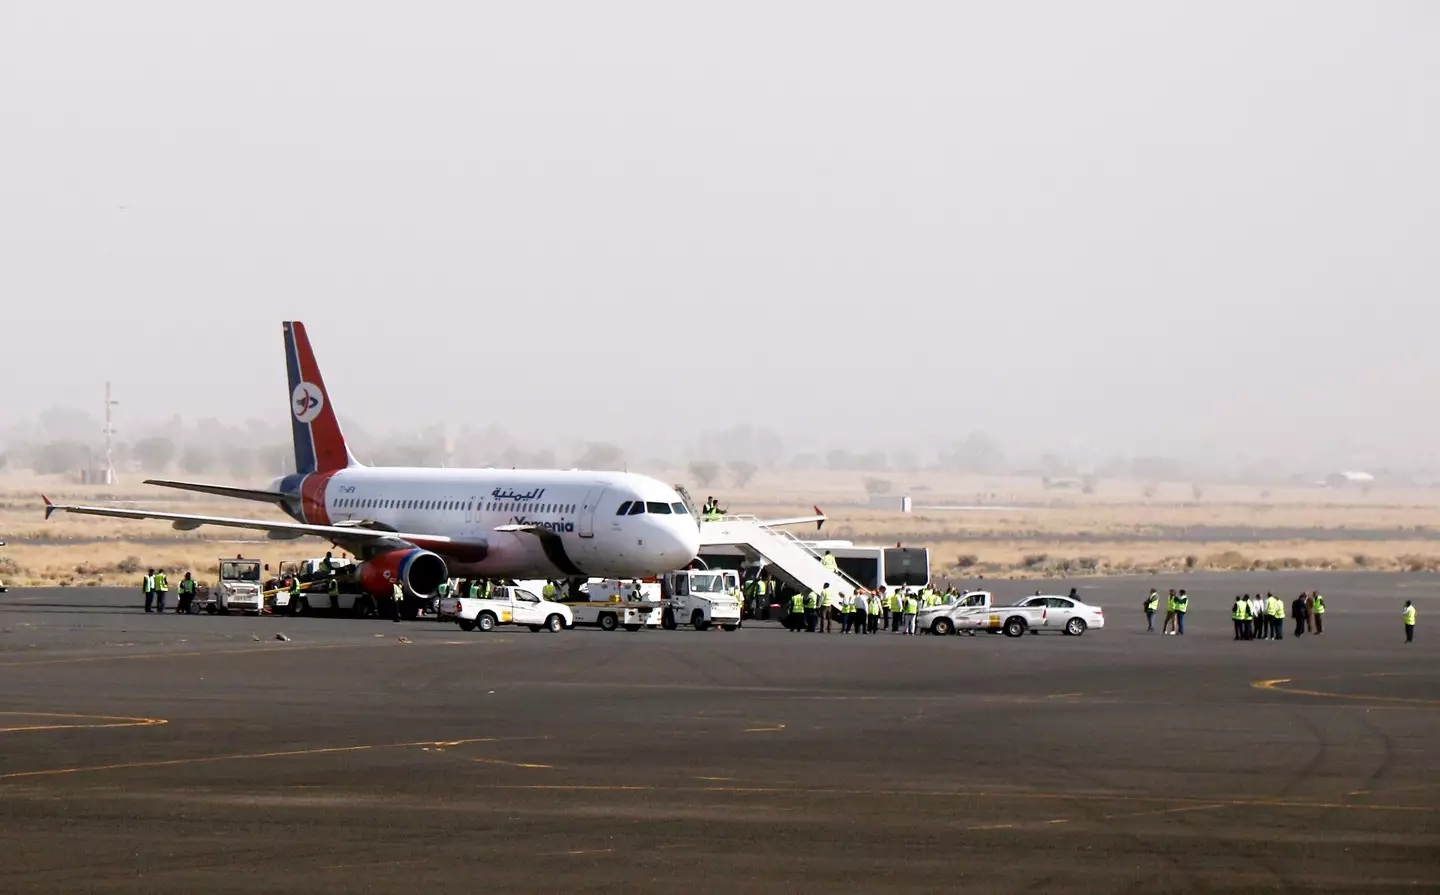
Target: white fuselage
(574, 516)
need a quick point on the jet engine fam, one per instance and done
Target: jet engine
(420, 571)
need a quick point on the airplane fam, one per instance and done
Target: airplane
(421, 526)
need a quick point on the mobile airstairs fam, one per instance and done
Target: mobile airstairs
(786, 557)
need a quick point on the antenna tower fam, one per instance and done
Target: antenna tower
(111, 478)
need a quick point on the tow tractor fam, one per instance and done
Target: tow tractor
(701, 598)
(615, 603)
(236, 590)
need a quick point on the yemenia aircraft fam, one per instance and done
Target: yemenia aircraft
(420, 526)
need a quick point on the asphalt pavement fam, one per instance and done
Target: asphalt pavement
(170, 754)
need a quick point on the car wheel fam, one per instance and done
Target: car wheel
(534, 629)
(632, 627)
(1014, 627)
(485, 621)
(212, 609)
(555, 624)
(466, 624)
(608, 622)
(1075, 627)
(942, 626)
(697, 620)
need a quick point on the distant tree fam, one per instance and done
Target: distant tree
(60, 457)
(742, 471)
(979, 453)
(197, 459)
(4, 460)
(873, 461)
(878, 486)
(1088, 483)
(155, 453)
(239, 461)
(704, 472)
(1150, 489)
(839, 459)
(1198, 491)
(601, 455)
(805, 463)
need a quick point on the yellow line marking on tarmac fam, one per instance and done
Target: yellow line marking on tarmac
(716, 779)
(1194, 802)
(1063, 695)
(212, 759)
(993, 827)
(110, 721)
(777, 727)
(1058, 820)
(511, 764)
(1179, 810)
(190, 654)
(1274, 686)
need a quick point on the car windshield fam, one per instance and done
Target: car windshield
(705, 584)
(240, 571)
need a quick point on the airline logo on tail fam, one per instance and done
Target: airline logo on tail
(308, 401)
(319, 446)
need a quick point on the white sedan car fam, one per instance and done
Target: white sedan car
(1065, 614)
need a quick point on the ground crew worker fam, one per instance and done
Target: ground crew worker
(1409, 615)
(862, 609)
(812, 599)
(847, 612)
(1182, 606)
(294, 594)
(875, 610)
(1276, 610)
(1299, 612)
(797, 612)
(897, 609)
(884, 609)
(1319, 613)
(548, 591)
(826, 608)
(1246, 631)
(1169, 627)
(912, 606)
(1309, 610)
(1238, 615)
(161, 587)
(397, 597)
(187, 594)
(828, 561)
(332, 590)
(1152, 603)
(327, 565)
(147, 584)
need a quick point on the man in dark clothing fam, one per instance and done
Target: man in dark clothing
(1300, 612)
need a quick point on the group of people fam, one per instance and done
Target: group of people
(862, 612)
(711, 511)
(1175, 609)
(157, 590)
(1258, 618)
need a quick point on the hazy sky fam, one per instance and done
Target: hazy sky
(1142, 224)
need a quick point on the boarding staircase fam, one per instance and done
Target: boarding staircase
(786, 556)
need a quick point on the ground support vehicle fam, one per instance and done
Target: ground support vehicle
(701, 598)
(616, 604)
(237, 589)
(507, 605)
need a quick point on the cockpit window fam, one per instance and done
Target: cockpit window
(655, 506)
(679, 509)
(637, 508)
(624, 508)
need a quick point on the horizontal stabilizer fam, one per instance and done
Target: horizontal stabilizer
(222, 490)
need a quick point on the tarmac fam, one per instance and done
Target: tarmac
(169, 754)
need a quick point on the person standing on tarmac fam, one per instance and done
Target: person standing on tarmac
(812, 600)
(1299, 612)
(1276, 610)
(897, 609)
(332, 590)
(1319, 613)
(147, 584)
(1259, 623)
(1408, 614)
(1169, 627)
(1309, 611)
(1182, 606)
(162, 588)
(187, 594)
(875, 604)
(1152, 603)
(796, 619)
(397, 597)
(912, 607)
(1238, 614)
(862, 611)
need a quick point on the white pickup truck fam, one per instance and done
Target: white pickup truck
(507, 606)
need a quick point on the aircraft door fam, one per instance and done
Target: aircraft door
(586, 528)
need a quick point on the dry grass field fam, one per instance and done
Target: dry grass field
(997, 527)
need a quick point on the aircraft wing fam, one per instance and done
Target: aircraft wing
(223, 490)
(347, 536)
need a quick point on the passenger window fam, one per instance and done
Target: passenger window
(624, 508)
(637, 508)
(658, 508)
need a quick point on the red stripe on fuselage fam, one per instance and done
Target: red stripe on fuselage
(312, 498)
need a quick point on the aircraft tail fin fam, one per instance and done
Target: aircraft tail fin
(319, 443)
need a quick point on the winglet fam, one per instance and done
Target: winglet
(49, 507)
(819, 523)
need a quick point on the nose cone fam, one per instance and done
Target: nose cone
(677, 543)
